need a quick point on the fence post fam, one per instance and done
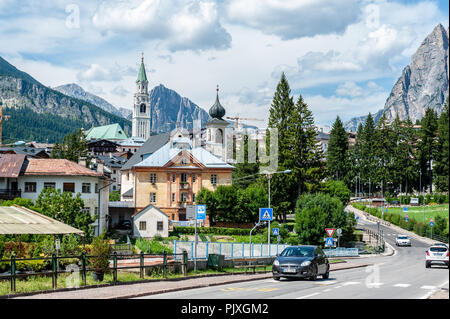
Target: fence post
(192, 251)
(175, 250)
(115, 266)
(54, 273)
(83, 267)
(165, 265)
(261, 249)
(232, 250)
(243, 249)
(207, 245)
(220, 248)
(141, 265)
(185, 259)
(13, 273)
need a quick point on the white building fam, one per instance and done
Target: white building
(141, 109)
(33, 175)
(150, 222)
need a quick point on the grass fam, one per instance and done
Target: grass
(417, 212)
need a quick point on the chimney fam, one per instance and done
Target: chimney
(100, 167)
(82, 161)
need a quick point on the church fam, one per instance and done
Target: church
(170, 169)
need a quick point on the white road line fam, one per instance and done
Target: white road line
(326, 283)
(351, 283)
(327, 290)
(428, 287)
(307, 296)
(402, 285)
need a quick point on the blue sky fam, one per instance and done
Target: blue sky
(343, 57)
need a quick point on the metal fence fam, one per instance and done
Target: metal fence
(81, 266)
(342, 252)
(230, 250)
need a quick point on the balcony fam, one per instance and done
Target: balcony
(184, 186)
(184, 203)
(10, 194)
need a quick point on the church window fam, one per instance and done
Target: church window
(142, 108)
(219, 136)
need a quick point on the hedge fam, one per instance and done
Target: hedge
(213, 230)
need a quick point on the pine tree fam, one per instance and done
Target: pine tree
(383, 152)
(441, 166)
(73, 146)
(355, 159)
(337, 153)
(368, 157)
(427, 146)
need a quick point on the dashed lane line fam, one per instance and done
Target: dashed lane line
(307, 296)
(402, 285)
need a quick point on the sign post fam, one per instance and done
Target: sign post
(339, 234)
(200, 214)
(266, 214)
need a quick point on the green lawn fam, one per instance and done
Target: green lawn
(417, 212)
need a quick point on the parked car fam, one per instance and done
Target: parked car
(124, 224)
(403, 240)
(301, 262)
(436, 254)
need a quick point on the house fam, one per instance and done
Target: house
(101, 147)
(171, 177)
(153, 143)
(131, 144)
(27, 150)
(27, 177)
(149, 222)
(112, 165)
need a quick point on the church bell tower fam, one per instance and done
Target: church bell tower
(141, 110)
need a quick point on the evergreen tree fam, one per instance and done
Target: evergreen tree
(368, 155)
(427, 146)
(244, 169)
(356, 159)
(441, 167)
(384, 146)
(337, 153)
(73, 146)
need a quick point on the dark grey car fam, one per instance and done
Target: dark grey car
(301, 262)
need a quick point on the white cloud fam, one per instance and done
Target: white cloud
(98, 73)
(120, 91)
(180, 25)
(291, 19)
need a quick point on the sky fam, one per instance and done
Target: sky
(342, 56)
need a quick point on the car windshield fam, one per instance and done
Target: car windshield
(438, 249)
(298, 252)
(402, 237)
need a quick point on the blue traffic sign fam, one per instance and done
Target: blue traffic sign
(431, 222)
(266, 214)
(201, 212)
(405, 209)
(329, 241)
(275, 231)
(406, 217)
(357, 219)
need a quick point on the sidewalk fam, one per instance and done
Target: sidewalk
(125, 290)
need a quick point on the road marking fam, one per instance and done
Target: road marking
(326, 283)
(402, 285)
(351, 283)
(374, 285)
(428, 287)
(327, 290)
(307, 296)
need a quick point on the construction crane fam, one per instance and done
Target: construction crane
(237, 118)
(2, 117)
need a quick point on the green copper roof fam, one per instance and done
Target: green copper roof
(106, 132)
(142, 77)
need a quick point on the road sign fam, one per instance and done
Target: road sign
(405, 209)
(57, 244)
(275, 231)
(190, 211)
(431, 222)
(357, 219)
(406, 217)
(201, 212)
(330, 231)
(329, 242)
(339, 232)
(266, 214)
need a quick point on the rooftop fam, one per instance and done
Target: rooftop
(57, 167)
(107, 132)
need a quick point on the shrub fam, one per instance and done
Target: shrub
(339, 190)
(101, 251)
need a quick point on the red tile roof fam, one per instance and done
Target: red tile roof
(50, 166)
(11, 164)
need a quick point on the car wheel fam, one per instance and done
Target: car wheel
(326, 275)
(427, 265)
(314, 276)
(276, 278)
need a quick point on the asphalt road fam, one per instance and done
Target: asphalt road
(400, 276)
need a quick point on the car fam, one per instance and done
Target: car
(436, 254)
(403, 240)
(124, 224)
(301, 262)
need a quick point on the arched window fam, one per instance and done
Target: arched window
(143, 108)
(219, 136)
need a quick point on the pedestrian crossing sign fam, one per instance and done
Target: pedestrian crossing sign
(266, 214)
(329, 242)
(276, 231)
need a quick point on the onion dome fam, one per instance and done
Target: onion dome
(217, 111)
